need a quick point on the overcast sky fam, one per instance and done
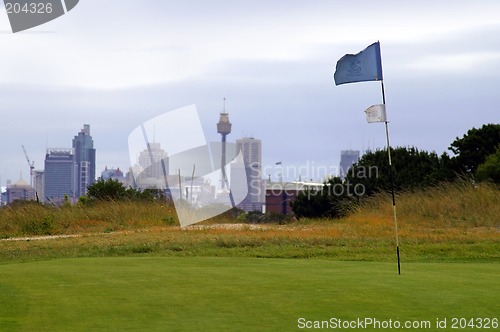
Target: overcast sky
(115, 64)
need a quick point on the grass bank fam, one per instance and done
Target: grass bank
(452, 222)
(334, 241)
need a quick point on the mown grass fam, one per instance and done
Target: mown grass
(129, 266)
(235, 294)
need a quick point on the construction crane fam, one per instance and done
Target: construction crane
(31, 164)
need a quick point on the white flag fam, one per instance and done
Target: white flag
(376, 113)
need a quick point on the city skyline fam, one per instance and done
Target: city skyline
(273, 62)
(307, 171)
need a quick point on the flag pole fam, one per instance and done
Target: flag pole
(392, 181)
(361, 67)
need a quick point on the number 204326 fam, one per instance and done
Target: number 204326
(28, 8)
(474, 323)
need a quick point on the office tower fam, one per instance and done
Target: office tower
(84, 159)
(38, 184)
(251, 150)
(347, 159)
(59, 175)
(152, 168)
(151, 161)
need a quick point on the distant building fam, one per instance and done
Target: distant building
(196, 191)
(84, 159)
(39, 184)
(280, 195)
(114, 173)
(3, 199)
(151, 161)
(239, 185)
(111, 173)
(59, 175)
(251, 149)
(347, 159)
(152, 167)
(20, 190)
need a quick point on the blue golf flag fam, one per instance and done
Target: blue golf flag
(361, 67)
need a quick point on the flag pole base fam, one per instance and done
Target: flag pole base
(399, 261)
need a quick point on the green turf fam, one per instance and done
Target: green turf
(236, 294)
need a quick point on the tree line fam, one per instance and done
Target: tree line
(476, 157)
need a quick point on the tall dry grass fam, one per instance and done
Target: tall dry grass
(458, 222)
(31, 218)
(449, 204)
(452, 205)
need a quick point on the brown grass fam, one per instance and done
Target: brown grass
(452, 221)
(450, 204)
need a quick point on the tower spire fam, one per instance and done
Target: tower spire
(224, 126)
(224, 129)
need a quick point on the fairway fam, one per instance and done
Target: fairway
(244, 294)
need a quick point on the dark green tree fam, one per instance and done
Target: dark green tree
(331, 201)
(474, 147)
(107, 190)
(148, 194)
(412, 169)
(490, 169)
(311, 203)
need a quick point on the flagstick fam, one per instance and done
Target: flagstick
(392, 182)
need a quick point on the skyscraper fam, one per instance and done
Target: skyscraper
(347, 159)
(251, 150)
(59, 175)
(152, 167)
(39, 184)
(84, 159)
(151, 161)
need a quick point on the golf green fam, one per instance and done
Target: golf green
(245, 294)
